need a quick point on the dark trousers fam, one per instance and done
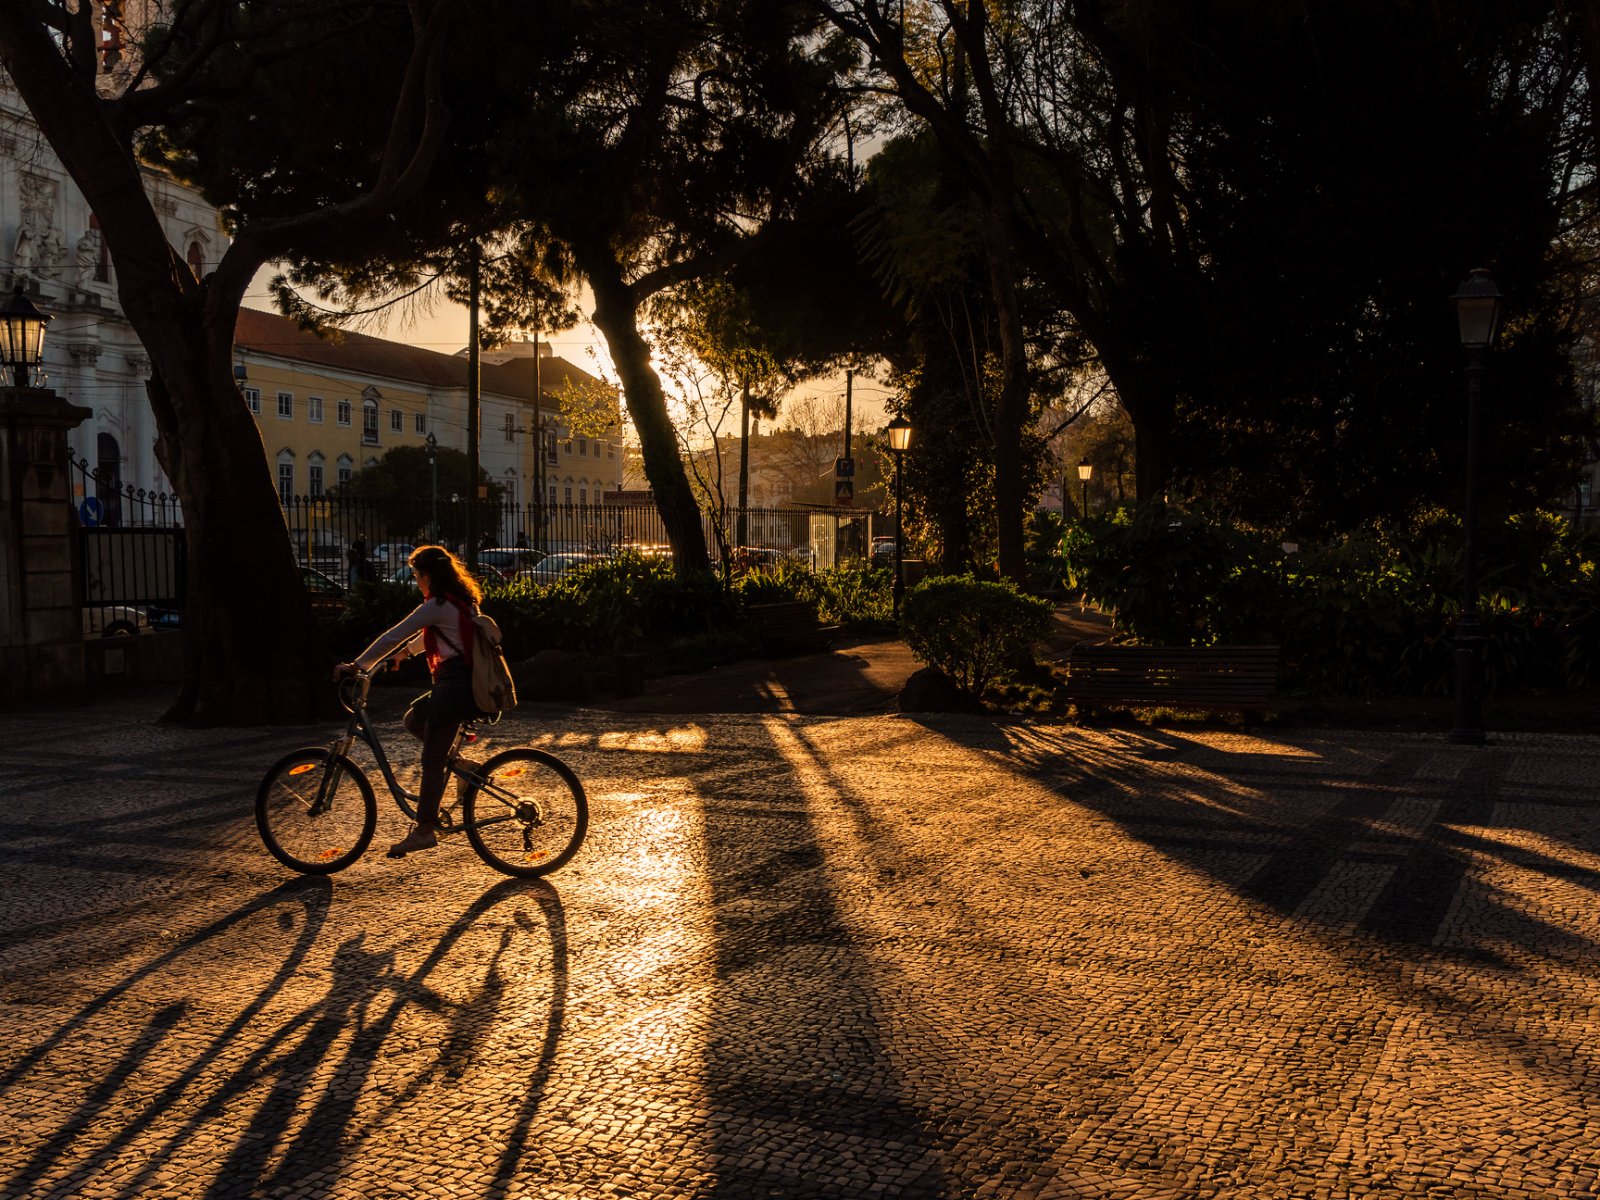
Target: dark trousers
(436, 741)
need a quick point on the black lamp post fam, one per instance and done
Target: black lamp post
(1085, 472)
(1477, 303)
(21, 337)
(433, 487)
(899, 441)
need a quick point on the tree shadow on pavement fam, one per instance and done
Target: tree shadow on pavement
(802, 1078)
(1381, 849)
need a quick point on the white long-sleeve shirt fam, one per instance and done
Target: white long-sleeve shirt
(407, 634)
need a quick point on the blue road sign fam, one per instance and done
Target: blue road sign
(91, 512)
(844, 468)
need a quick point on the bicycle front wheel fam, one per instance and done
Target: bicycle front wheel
(316, 811)
(527, 814)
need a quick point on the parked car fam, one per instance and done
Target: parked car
(390, 555)
(486, 574)
(882, 552)
(327, 597)
(509, 560)
(114, 620)
(555, 566)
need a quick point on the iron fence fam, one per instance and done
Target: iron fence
(132, 555)
(325, 530)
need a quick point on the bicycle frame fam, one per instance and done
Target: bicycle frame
(359, 728)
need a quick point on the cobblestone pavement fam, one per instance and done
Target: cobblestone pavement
(802, 956)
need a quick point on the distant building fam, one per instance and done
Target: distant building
(329, 408)
(50, 244)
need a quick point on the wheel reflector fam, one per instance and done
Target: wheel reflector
(302, 768)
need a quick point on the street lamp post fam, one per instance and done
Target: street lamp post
(1085, 472)
(21, 337)
(899, 441)
(1477, 303)
(433, 488)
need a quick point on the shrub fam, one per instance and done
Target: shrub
(858, 596)
(1373, 612)
(970, 629)
(627, 601)
(786, 582)
(533, 618)
(369, 609)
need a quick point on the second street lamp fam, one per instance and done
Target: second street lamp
(1085, 472)
(1477, 303)
(899, 441)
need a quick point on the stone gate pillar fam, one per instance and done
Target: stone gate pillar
(41, 625)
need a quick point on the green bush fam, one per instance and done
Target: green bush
(629, 601)
(785, 583)
(369, 609)
(533, 618)
(1373, 613)
(857, 596)
(972, 630)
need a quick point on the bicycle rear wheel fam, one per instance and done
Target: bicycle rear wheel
(528, 815)
(312, 826)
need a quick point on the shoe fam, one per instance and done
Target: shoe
(421, 837)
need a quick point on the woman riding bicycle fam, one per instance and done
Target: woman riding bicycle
(442, 624)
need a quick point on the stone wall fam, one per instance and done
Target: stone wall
(41, 625)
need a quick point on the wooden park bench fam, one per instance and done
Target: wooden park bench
(789, 625)
(1206, 678)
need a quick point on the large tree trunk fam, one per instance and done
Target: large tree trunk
(616, 314)
(252, 651)
(1152, 408)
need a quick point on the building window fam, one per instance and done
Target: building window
(511, 428)
(342, 412)
(196, 259)
(369, 422)
(314, 486)
(583, 447)
(346, 468)
(583, 495)
(371, 462)
(420, 423)
(252, 400)
(550, 448)
(552, 494)
(285, 476)
(396, 421)
(314, 409)
(569, 495)
(1585, 493)
(510, 498)
(286, 406)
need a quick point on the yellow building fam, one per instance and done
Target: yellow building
(327, 409)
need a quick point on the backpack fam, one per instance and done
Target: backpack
(493, 690)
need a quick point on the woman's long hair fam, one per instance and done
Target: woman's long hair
(447, 574)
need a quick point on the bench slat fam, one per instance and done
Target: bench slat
(1226, 677)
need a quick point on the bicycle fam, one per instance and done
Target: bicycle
(523, 810)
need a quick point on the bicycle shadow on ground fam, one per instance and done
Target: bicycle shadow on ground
(281, 1097)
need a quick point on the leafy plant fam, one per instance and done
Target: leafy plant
(970, 629)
